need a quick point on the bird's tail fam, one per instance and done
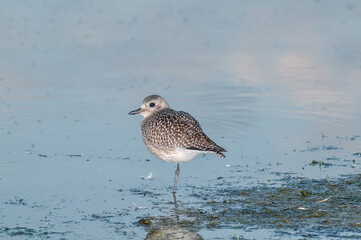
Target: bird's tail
(218, 150)
(220, 154)
(215, 149)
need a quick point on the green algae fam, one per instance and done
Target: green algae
(144, 221)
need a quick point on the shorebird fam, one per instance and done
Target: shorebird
(172, 136)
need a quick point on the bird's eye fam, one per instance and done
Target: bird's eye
(152, 104)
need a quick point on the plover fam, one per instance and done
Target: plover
(172, 136)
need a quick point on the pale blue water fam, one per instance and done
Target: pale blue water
(276, 83)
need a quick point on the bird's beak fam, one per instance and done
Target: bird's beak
(136, 111)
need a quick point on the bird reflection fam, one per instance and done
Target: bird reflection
(170, 228)
(171, 232)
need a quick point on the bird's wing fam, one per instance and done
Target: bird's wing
(177, 129)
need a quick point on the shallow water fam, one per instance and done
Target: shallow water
(276, 83)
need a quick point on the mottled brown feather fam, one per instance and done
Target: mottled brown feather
(172, 129)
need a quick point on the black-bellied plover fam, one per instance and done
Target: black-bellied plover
(172, 136)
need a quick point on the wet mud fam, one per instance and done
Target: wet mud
(299, 207)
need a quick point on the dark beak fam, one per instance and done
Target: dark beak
(136, 111)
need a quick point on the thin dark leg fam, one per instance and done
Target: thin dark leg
(176, 177)
(174, 199)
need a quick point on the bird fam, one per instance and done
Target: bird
(172, 136)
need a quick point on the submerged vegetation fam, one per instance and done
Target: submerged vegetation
(328, 207)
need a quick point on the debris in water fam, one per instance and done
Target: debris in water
(228, 165)
(139, 207)
(324, 200)
(320, 163)
(148, 177)
(28, 152)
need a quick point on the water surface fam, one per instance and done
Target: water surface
(276, 83)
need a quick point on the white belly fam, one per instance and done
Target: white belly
(177, 155)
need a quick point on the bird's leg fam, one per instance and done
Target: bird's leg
(176, 177)
(174, 198)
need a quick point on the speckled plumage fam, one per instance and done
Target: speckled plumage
(172, 136)
(168, 130)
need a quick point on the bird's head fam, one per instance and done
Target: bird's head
(150, 105)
